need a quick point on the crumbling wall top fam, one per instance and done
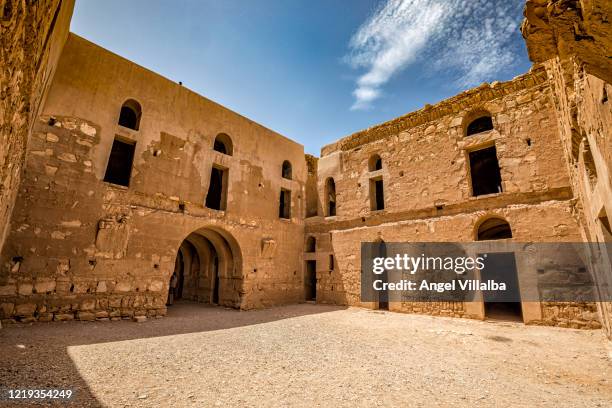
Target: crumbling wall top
(464, 101)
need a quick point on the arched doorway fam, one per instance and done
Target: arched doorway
(501, 267)
(208, 269)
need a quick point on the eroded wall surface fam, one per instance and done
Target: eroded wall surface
(83, 248)
(573, 37)
(33, 34)
(428, 194)
(425, 153)
(570, 28)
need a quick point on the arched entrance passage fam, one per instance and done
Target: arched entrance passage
(208, 269)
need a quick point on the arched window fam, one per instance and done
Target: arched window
(129, 116)
(223, 144)
(494, 228)
(479, 125)
(330, 197)
(375, 163)
(311, 244)
(286, 171)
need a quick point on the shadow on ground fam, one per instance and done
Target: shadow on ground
(34, 356)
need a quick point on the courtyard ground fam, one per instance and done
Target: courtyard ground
(308, 355)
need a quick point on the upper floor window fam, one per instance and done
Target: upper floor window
(284, 207)
(216, 198)
(485, 173)
(375, 163)
(479, 125)
(120, 160)
(330, 197)
(223, 144)
(129, 116)
(311, 244)
(286, 171)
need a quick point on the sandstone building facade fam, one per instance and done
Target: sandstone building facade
(130, 178)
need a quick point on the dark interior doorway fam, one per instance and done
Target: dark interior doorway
(176, 283)
(485, 172)
(215, 289)
(383, 295)
(180, 280)
(310, 281)
(502, 305)
(203, 270)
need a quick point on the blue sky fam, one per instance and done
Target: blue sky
(315, 70)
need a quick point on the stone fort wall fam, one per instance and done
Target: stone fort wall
(572, 39)
(428, 194)
(80, 247)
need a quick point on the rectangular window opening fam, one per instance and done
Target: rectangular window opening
(485, 172)
(119, 167)
(284, 208)
(216, 198)
(377, 194)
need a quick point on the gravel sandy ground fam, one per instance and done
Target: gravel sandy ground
(308, 355)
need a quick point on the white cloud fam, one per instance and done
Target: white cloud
(472, 38)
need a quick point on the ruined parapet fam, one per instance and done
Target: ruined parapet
(567, 28)
(465, 101)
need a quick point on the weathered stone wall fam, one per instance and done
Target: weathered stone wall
(78, 247)
(33, 34)
(547, 221)
(425, 154)
(83, 248)
(428, 196)
(573, 37)
(585, 121)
